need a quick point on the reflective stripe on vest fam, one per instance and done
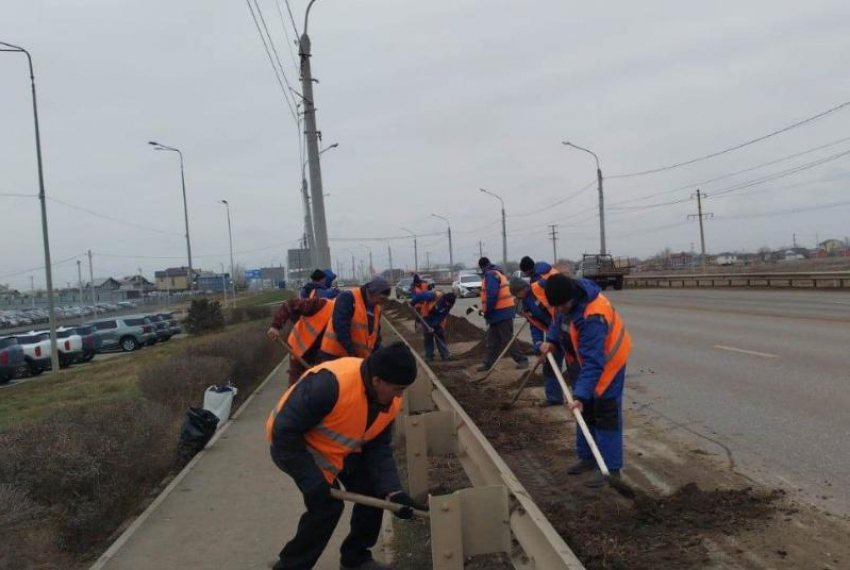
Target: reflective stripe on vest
(505, 299)
(362, 340)
(618, 344)
(308, 329)
(343, 431)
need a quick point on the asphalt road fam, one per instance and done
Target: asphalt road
(762, 375)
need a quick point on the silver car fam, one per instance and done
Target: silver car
(124, 333)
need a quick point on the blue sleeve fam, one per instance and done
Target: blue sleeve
(554, 332)
(536, 335)
(314, 398)
(380, 463)
(423, 297)
(343, 313)
(328, 293)
(491, 281)
(591, 342)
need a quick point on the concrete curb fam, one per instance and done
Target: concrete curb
(101, 562)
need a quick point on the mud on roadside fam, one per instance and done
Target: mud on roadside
(692, 510)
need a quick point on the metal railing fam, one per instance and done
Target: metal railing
(810, 280)
(451, 429)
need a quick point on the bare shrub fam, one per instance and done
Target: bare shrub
(245, 314)
(180, 382)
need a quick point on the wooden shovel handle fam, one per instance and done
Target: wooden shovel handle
(374, 502)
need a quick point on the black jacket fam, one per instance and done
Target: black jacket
(314, 398)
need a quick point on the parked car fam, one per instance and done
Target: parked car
(92, 343)
(173, 323)
(467, 285)
(36, 351)
(402, 288)
(161, 326)
(11, 359)
(124, 333)
(70, 346)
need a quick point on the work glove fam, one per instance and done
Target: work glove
(402, 498)
(318, 496)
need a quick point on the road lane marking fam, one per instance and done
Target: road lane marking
(742, 351)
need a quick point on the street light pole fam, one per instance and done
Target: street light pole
(415, 251)
(323, 252)
(48, 270)
(308, 216)
(451, 252)
(603, 249)
(189, 274)
(504, 230)
(230, 237)
(371, 265)
(80, 280)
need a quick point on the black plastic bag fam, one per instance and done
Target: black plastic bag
(198, 428)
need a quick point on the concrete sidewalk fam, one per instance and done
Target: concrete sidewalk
(230, 509)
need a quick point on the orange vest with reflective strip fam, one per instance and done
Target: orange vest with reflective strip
(361, 338)
(343, 431)
(618, 343)
(504, 300)
(539, 294)
(426, 307)
(309, 328)
(548, 274)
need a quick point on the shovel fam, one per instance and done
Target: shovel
(288, 349)
(525, 378)
(504, 351)
(373, 502)
(617, 485)
(473, 309)
(428, 328)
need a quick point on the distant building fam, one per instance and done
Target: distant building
(300, 266)
(726, 259)
(213, 282)
(136, 283)
(173, 279)
(833, 246)
(102, 284)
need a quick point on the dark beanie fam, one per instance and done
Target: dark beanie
(318, 275)
(484, 263)
(450, 298)
(526, 264)
(394, 364)
(560, 290)
(377, 286)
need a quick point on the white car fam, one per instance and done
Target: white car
(467, 285)
(36, 351)
(70, 346)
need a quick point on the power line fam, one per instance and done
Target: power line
(41, 267)
(291, 19)
(271, 61)
(106, 217)
(289, 41)
(556, 203)
(13, 195)
(736, 147)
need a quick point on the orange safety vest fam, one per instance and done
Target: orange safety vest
(343, 431)
(363, 341)
(504, 300)
(549, 274)
(618, 343)
(539, 294)
(309, 328)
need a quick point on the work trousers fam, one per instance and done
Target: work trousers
(604, 418)
(438, 337)
(498, 335)
(551, 386)
(317, 525)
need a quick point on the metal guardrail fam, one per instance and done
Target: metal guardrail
(811, 280)
(542, 547)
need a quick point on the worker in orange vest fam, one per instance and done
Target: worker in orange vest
(355, 327)
(536, 271)
(498, 309)
(310, 318)
(602, 345)
(335, 425)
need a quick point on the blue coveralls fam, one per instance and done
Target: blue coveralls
(604, 413)
(436, 319)
(535, 309)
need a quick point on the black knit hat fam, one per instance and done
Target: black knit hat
(484, 263)
(526, 264)
(560, 290)
(394, 364)
(450, 298)
(318, 275)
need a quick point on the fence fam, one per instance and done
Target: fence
(794, 280)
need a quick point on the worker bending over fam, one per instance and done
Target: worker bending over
(602, 345)
(355, 327)
(434, 308)
(335, 425)
(320, 285)
(310, 318)
(536, 271)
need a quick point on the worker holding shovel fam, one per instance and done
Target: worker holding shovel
(583, 315)
(433, 308)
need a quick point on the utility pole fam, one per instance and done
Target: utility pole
(553, 233)
(480, 249)
(451, 252)
(700, 216)
(353, 274)
(504, 229)
(794, 239)
(320, 227)
(602, 248)
(390, 254)
(230, 238)
(32, 291)
(427, 261)
(80, 279)
(91, 279)
(415, 251)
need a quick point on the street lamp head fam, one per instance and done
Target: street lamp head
(152, 143)
(224, 202)
(566, 143)
(334, 145)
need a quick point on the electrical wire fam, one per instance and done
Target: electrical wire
(556, 203)
(41, 267)
(118, 220)
(289, 41)
(13, 195)
(735, 147)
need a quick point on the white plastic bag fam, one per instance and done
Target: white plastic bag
(219, 400)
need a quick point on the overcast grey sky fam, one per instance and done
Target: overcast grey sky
(429, 101)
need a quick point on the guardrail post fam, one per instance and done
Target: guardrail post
(434, 434)
(469, 522)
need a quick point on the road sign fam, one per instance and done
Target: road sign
(252, 274)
